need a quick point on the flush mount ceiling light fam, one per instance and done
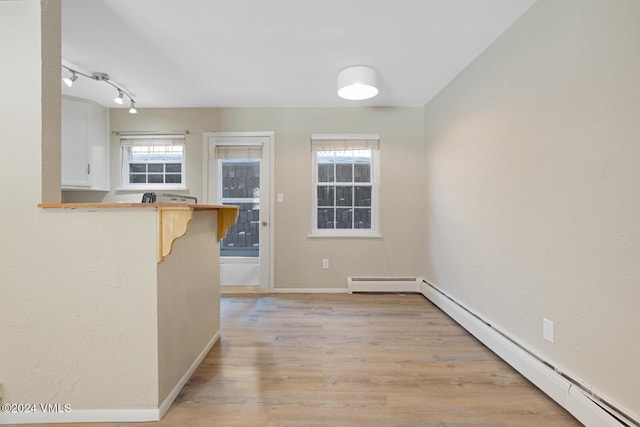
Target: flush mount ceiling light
(102, 77)
(357, 83)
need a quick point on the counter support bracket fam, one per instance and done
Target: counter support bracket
(173, 222)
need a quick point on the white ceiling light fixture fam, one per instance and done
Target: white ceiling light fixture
(357, 83)
(102, 77)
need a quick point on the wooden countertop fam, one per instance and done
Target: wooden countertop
(194, 206)
(173, 218)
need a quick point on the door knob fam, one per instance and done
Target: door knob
(264, 223)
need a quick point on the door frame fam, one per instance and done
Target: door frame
(206, 158)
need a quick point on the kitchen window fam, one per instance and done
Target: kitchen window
(153, 162)
(345, 185)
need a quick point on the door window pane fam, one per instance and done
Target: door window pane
(240, 180)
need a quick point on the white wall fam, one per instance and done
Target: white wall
(69, 342)
(532, 212)
(188, 300)
(61, 338)
(298, 257)
(51, 52)
(532, 189)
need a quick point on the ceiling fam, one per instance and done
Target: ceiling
(275, 53)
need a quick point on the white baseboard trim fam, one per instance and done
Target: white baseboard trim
(240, 289)
(81, 416)
(166, 404)
(557, 387)
(309, 291)
(37, 416)
(384, 284)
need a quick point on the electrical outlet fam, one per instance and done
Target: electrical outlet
(325, 264)
(547, 330)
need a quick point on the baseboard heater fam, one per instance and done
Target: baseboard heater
(579, 400)
(384, 284)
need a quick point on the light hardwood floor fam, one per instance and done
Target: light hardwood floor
(353, 360)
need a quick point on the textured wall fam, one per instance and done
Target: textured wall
(51, 98)
(532, 188)
(188, 300)
(76, 329)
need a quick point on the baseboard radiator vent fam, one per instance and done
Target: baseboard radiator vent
(579, 400)
(384, 284)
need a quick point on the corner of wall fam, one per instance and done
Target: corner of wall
(51, 21)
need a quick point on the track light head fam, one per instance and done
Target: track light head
(132, 109)
(120, 98)
(69, 80)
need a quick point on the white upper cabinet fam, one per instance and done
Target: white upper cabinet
(85, 145)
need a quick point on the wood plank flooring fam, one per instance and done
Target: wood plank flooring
(353, 360)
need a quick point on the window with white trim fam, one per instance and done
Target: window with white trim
(345, 184)
(153, 162)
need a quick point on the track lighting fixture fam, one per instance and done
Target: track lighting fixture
(120, 98)
(102, 77)
(69, 80)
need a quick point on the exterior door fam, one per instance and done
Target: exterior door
(238, 170)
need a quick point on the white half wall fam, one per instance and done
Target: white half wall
(188, 301)
(68, 342)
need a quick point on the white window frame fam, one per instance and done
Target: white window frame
(346, 141)
(127, 141)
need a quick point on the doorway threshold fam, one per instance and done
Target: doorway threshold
(240, 289)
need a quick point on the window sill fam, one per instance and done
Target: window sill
(373, 235)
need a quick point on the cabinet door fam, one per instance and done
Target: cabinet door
(75, 155)
(98, 142)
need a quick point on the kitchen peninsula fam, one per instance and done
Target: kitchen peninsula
(149, 274)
